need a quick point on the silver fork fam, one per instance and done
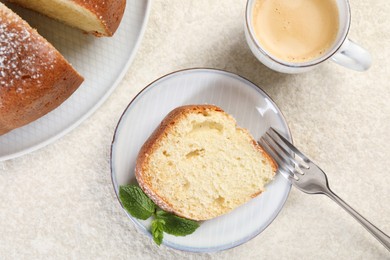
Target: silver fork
(309, 178)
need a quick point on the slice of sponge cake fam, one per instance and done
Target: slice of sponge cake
(99, 17)
(198, 164)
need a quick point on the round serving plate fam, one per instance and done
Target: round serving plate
(101, 61)
(248, 104)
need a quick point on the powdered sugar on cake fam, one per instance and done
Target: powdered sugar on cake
(22, 55)
(34, 77)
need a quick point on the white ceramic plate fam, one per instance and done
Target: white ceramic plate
(251, 107)
(102, 61)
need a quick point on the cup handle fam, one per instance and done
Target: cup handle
(352, 56)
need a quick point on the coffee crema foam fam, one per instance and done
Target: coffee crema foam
(295, 30)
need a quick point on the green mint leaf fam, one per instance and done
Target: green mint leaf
(158, 230)
(176, 225)
(136, 202)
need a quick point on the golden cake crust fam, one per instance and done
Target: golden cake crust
(34, 77)
(110, 12)
(107, 13)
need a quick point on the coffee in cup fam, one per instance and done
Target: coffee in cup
(293, 36)
(295, 30)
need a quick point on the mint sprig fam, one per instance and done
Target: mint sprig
(176, 225)
(136, 202)
(157, 230)
(140, 206)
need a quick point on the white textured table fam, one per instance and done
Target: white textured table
(58, 202)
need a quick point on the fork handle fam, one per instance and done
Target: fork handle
(376, 232)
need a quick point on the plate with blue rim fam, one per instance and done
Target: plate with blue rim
(248, 104)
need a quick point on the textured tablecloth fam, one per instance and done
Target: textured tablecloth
(58, 202)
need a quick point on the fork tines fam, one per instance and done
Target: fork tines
(289, 159)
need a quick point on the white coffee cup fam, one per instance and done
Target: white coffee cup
(343, 51)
